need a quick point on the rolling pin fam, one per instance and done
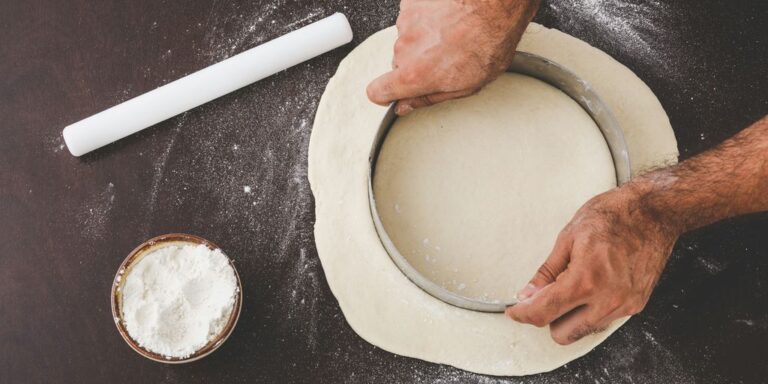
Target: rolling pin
(207, 84)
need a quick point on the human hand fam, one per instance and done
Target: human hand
(450, 49)
(604, 265)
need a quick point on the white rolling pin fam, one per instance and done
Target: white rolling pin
(207, 84)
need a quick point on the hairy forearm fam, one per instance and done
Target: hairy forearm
(729, 180)
(518, 10)
(524, 8)
(509, 18)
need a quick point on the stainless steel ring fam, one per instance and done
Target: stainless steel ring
(544, 70)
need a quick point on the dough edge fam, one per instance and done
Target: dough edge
(379, 303)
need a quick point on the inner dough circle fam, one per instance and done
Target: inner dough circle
(473, 192)
(378, 301)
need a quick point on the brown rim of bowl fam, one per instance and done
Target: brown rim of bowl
(116, 298)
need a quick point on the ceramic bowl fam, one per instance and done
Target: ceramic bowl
(125, 268)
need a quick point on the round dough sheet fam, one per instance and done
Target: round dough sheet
(473, 192)
(378, 301)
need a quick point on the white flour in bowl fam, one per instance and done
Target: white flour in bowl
(178, 298)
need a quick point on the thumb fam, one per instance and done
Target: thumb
(405, 106)
(396, 85)
(547, 273)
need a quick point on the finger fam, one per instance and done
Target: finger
(556, 263)
(396, 85)
(549, 303)
(406, 106)
(581, 322)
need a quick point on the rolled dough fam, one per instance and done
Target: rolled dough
(473, 192)
(378, 301)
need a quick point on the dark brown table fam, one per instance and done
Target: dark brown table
(66, 223)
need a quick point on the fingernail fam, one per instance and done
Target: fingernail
(526, 292)
(404, 109)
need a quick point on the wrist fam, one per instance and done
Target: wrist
(649, 198)
(521, 12)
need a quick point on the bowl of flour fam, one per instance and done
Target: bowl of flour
(176, 298)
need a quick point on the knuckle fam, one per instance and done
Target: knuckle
(538, 321)
(410, 75)
(589, 236)
(587, 285)
(565, 233)
(635, 307)
(521, 317)
(427, 100)
(546, 271)
(408, 37)
(615, 301)
(560, 338)
(403, 20)
(400, 46)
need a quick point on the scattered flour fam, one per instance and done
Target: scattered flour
(95, 214)
(637, 30)
(712, 266)
(746, 322)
